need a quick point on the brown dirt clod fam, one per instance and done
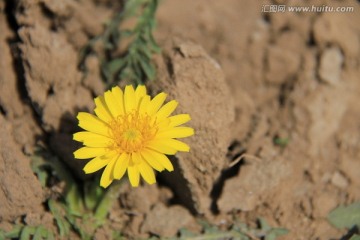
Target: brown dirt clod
(166, 221)
(20, 191)
(194, 77)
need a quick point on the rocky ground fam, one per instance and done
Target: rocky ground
(280, 87)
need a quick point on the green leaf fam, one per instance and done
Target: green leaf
(282, 142)
(186, 233)
(148, 68)
(131, 7)
(126, 33)
(345, 217)
(136, 67)
(355, 237)
(211, 230)
(2, 234)
(270, 233)
(63, 225)
(264, 225)
(145, 50)
(37, 166)
(15, 232)
(116, 65)
(276, 232)
(39, 233)
(153, 6)
(26, 232)
(50, 235)
(92, 194)
(155, 46)
(142, 44)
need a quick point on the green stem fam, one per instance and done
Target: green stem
(106, 202)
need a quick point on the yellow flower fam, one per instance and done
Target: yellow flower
(131, 132)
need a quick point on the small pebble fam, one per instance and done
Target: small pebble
(339, 180)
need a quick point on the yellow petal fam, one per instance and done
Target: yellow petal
(166, 110)
(177, 132)
(129, 98)
(101, 110)
(135, 158)
(164, 144)
(161, 158)
(134, 175)
(89, 152)
(112, 103)
(107, 177)
(178, 145)
(92, 139)
(179, 119)
(156, 103)
(147, 172)
(80, 136)
(96, 164)
(151, 160)
(119, 98)
(163, 124)
(120, 166)
(161, 146)
(140, 92)
(93, 124)
(144, 104)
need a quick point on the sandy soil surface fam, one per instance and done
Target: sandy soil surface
(280, 87)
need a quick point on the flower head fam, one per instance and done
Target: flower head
(131, 132)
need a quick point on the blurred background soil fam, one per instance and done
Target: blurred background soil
(282, 87)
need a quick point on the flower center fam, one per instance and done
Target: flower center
(131, 132)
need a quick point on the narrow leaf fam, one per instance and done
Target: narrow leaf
(355, 237)
(345, 217)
